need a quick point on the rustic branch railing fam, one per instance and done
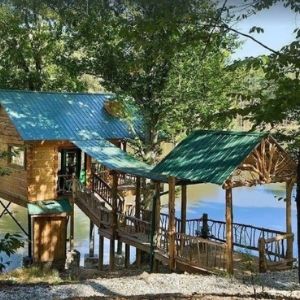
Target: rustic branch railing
(272, 252)
(200, 252)
(101, 188)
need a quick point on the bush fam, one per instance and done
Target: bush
(9, 245)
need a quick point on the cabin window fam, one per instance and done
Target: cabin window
(17, 156)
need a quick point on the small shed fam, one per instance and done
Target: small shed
(49, 231)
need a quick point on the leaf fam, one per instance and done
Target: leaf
(256, 29)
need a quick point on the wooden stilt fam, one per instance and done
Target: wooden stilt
(288, 211)
(138, 215)
(183, 208)
(138, 257)
(91, 240)
(229, 232)
(138, 198)
(171, 225)
(119, 247)
(157, 213)
(114, 221)
(127, 255)
(72, 228)
(101, 252)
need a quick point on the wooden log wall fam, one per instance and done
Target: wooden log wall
(13, 187)
(42, 168)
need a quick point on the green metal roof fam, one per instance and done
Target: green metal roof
(116, 159)
(62, 116)
(208, 156)
(49, 207)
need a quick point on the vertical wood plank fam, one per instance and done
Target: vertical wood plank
(171, 225)
(229, 232)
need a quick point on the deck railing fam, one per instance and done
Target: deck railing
(199, 252)
(135, 226)
(272, 252)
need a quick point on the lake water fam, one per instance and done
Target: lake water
(257, 206)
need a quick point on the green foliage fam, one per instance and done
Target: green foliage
(33, 51)
(9, 244)
(140, 48)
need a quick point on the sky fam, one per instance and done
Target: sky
(278, 23)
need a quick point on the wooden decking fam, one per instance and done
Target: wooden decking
(193, 253)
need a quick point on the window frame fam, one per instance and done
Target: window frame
(10, 157)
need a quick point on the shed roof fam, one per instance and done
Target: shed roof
(208, 156)
(48, 207)
(116, 159)
(62, 116)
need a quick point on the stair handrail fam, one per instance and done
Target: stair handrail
(107, 198)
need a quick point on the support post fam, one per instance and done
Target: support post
(288, 212)
(29, 237)
(155, 222)
(114, 221)
(262, 265)
(91, 240)
(229, 232)
(71, 238)
(88, 168)
(183, 208)
(101, 251)
(171, 225)
(138, 215)
(127, 255)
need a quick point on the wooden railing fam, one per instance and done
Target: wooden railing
(91, 205)
(199, 252)
(64, 184)
(135, 226)
(101, 188)
(273, 252)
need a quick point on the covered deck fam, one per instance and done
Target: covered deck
(205, 245)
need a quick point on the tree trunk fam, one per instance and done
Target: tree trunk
(298, 212)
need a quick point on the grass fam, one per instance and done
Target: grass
(32, 275)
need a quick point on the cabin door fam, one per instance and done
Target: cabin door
(70, 162)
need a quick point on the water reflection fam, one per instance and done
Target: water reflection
(257, 206)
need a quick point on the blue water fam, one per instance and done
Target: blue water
(258, 206)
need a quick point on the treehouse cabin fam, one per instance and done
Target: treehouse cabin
(65, 149)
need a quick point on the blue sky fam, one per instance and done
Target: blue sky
(278, 23)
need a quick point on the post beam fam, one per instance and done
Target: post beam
(114, 221)
(101, 252)
(138, 215)
(127, 255)
(171, 225)
(91, 240)
(229, 231)
(183, 207)
(288, 213)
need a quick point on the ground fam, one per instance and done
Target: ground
(130, 284)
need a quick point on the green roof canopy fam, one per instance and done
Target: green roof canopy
(63, 116)
(208, 156)
(49, 207)
(116, 159)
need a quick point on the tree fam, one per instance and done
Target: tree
(139, 48)
(33, 52)
(279, 104)
(10, 243)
